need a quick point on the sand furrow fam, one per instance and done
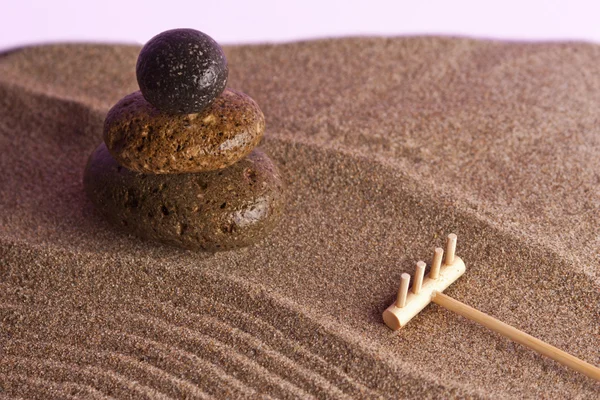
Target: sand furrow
(325, 337)
(43, 389)
(105, 380)
(231, 320)
(208, 376)
(134, 368)
(217, 351)
(220, 295)
(259, 351)
(292, 351)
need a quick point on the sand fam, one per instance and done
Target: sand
(387, 145)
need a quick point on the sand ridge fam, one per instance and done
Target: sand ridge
(387, 144)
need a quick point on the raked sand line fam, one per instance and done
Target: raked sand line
(204, 373)
(265, 355)
(111, 361)
(104, 378)
(210, 377)
(175, 339)
(261, 330)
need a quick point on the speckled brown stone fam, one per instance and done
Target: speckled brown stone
(215, 210)
(144, 139)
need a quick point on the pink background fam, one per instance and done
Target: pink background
(23, 22)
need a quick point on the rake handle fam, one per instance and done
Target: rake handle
(516, 335)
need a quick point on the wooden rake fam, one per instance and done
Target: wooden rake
(427, 289)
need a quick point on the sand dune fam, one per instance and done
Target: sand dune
(387, 145)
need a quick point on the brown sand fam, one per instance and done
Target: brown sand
(387, 145)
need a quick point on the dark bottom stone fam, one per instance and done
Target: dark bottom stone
(216, 210)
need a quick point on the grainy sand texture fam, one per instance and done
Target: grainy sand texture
(387, 145)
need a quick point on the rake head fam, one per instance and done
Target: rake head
(408, 304)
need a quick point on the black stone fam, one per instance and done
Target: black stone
(181, 71)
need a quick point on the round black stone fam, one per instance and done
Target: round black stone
(181, 71)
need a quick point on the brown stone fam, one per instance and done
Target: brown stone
(144, 139)
(214, 210)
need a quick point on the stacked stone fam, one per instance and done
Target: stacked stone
(179, 162)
